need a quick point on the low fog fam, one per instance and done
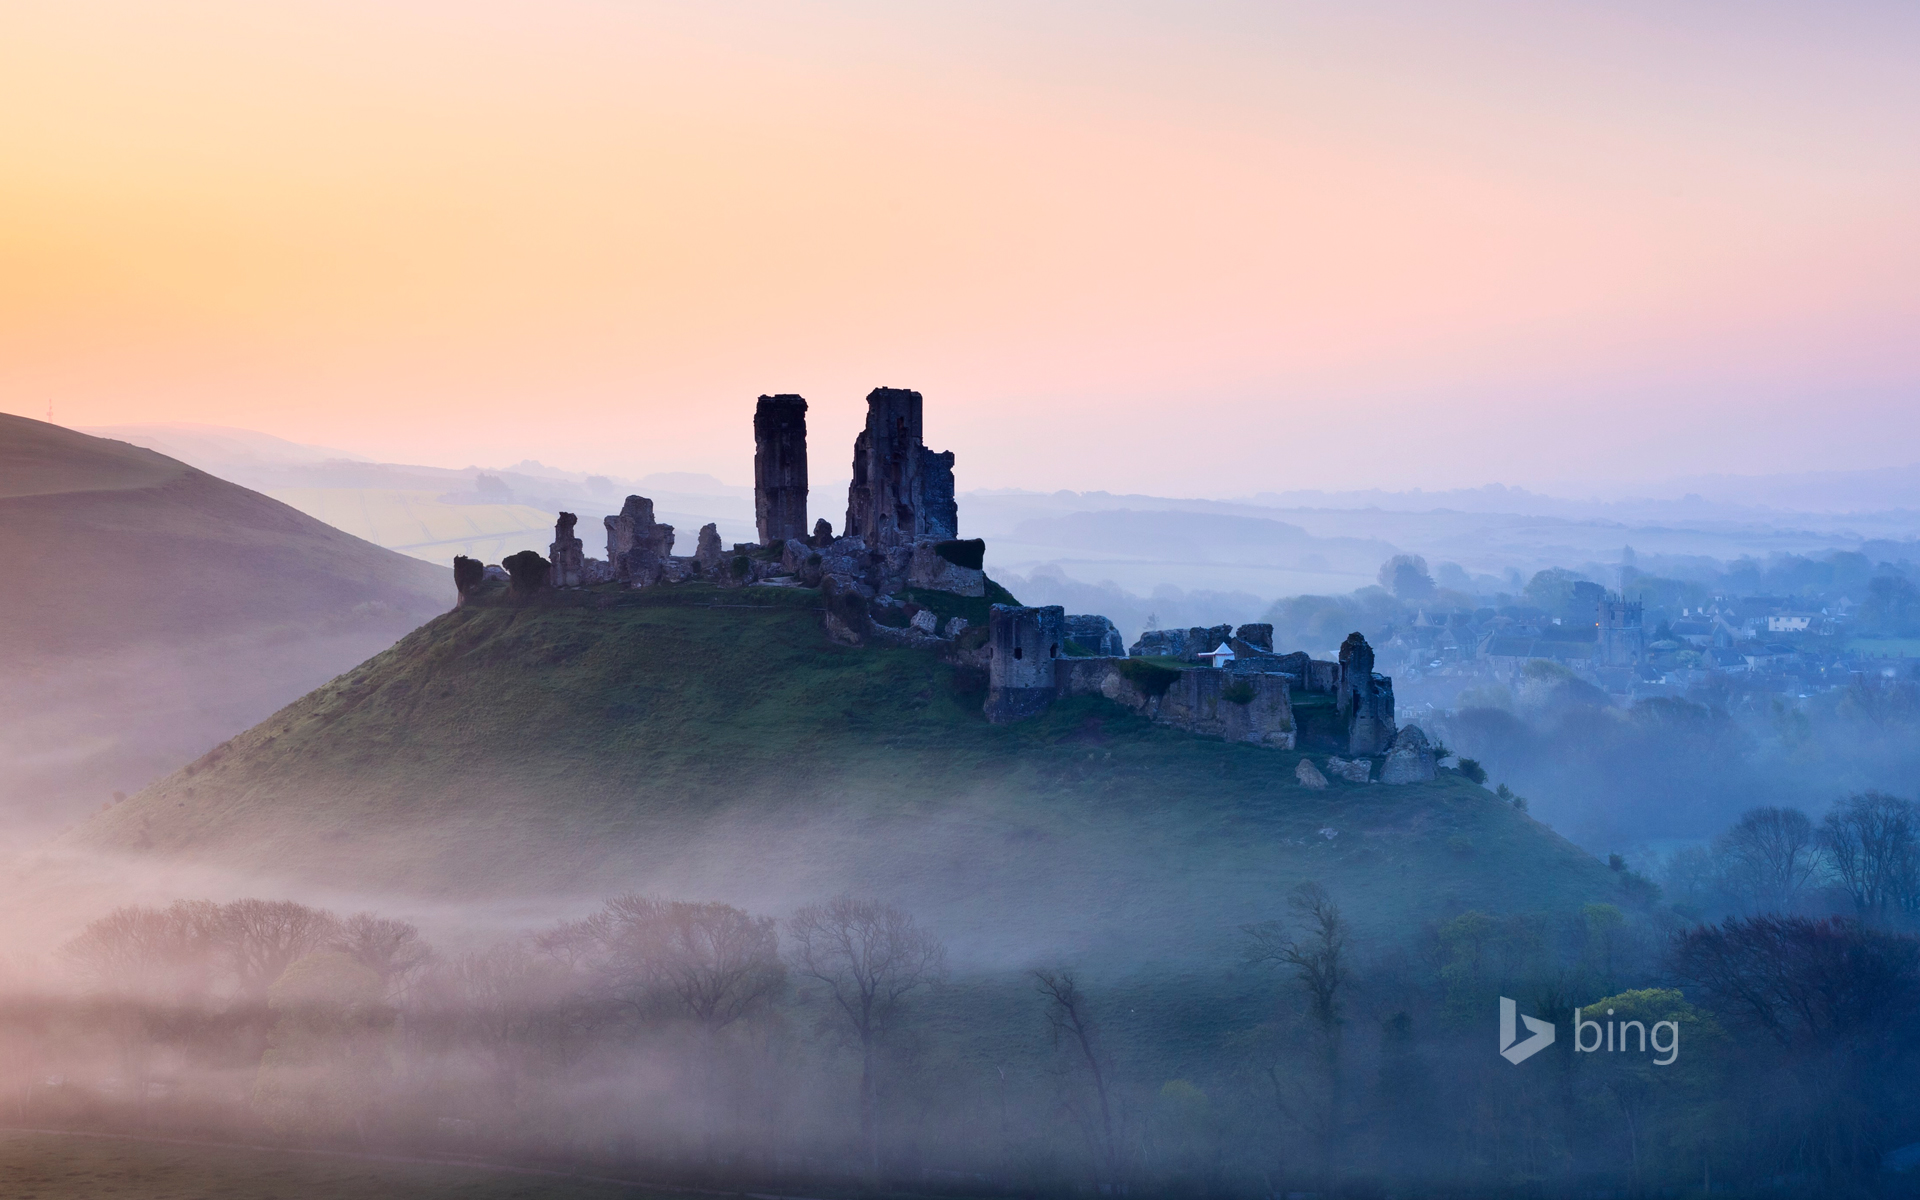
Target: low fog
(888, 982)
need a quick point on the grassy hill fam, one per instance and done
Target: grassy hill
(153, 610)
(706, 743)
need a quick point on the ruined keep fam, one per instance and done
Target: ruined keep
(901, 492)
(780, 468)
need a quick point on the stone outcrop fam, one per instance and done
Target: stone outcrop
(1409, 759)
(1364, 700)
(780, 468)
(901, 492)
(567, 554)
(1023, 644)
(1308, 775)
(1097, 635)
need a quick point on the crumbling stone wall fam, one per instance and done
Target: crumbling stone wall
(1185, 644)
(1255, 709)
(638, 546)
(1097, 634)
(780, 468)
(1249, 708)
(901, 492)
(937, 572)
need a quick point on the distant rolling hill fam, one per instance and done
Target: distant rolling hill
(714, 744)
(152, 610)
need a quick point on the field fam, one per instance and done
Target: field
(50, 1166)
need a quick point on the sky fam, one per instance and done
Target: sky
(1196, 248)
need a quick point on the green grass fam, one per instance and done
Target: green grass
(47, 1166)
(713, 742)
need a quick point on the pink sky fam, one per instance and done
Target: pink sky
(1206, 249)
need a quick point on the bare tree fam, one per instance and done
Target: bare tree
(869, 955)
(1315, 954)
(147, 953)
(1871, 850)
(393, 950)
(711, 962)
(1313, 945)
(1068, 1019)
(262, 938)
(1768, 857)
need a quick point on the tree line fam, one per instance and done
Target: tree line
(713, 1044)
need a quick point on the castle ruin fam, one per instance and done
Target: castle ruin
(780, 468)
(902, 492)
(901, 541)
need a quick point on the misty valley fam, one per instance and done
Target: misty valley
(854, 863)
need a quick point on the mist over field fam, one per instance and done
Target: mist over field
(688, 895)
(840, 602)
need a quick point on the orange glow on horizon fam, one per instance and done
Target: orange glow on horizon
(591, 233)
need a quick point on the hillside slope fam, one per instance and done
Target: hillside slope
(703, 743)
(154, 610)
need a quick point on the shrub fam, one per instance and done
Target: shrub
(467, 573)
(1472, 769)
(1151, 678)
(970, 553)
(527, 570)
(742, 566)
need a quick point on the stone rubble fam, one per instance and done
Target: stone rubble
(1357, 770)
(1410, 758)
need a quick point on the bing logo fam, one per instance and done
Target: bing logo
(1518, 1052)
(1611, 1037)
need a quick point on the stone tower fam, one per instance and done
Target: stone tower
(1023, 643)
(1623, 636)
(1363, 699)
(567, 553)
(901, 492)
(780, 468)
